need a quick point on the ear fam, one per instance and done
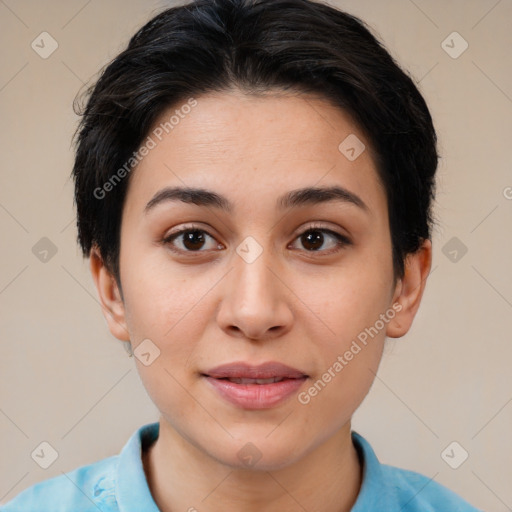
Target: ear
(109, 295)
(409, 290)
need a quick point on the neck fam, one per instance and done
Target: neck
(183, 477)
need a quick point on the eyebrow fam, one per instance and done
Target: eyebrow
(293, 199)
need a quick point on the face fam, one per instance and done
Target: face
(258, 276)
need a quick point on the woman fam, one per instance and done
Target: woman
(254, 183)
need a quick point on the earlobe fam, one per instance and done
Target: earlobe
(409, 290)
(109, 295)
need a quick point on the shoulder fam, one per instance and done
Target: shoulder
(390, 488)
(84, 489)
(111, 484)
(418, 493)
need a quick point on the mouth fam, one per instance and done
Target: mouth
(241, 380)
(255, 387)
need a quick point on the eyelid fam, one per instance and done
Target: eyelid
(321, 227)
(188, 227)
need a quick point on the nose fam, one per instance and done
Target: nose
(255, 303)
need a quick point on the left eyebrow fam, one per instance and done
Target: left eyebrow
(317, 195)
(293, 199)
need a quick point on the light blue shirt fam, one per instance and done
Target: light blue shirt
(118, 484)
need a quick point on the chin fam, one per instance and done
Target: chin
(259, 453)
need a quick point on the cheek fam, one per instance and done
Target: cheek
(347, 302)
(170, 309)
(349, 343)
(350, 329)
(161, 297)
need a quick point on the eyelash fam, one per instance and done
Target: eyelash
(341, 240)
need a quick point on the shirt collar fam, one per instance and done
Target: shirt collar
(375, 493)
(132, 490)
(133, 494)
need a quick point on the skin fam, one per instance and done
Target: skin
(292, 304)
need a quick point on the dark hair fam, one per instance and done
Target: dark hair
(255, 46)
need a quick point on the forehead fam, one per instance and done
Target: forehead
(247, 146)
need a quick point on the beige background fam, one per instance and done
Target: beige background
(66, 380)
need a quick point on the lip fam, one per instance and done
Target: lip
(243, 370)
(252, 395)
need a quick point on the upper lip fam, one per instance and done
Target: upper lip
(241, 369)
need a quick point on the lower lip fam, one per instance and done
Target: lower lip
(256, 396)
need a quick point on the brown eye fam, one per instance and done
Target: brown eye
(314, 239)
(193, 240)
(190, 240)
